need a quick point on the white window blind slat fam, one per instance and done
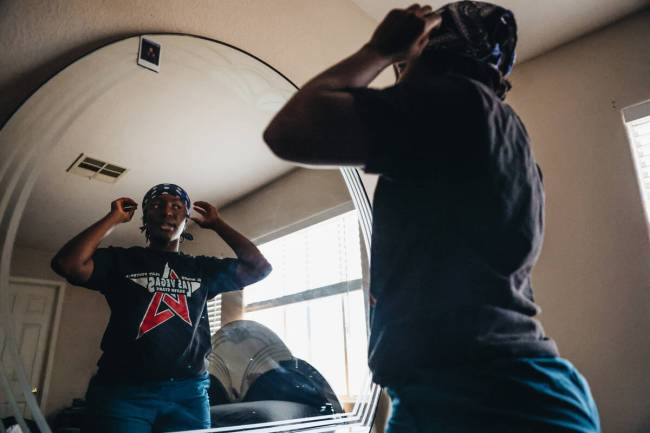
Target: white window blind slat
(214, 314)
(637, 123)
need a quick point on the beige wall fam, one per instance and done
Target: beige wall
(593, 277)
(298, 37)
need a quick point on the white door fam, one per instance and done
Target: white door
(35, 305)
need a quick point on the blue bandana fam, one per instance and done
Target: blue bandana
(167, 188)
(479, 30)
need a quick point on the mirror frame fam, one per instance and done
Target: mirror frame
(19, 171)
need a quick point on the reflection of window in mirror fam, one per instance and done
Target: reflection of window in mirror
(637, 123)
(316, 309)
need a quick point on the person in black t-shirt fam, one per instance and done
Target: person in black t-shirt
(152, 373)
(457, 222)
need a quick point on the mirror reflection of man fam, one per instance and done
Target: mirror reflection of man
(457, 227)
(152, 374)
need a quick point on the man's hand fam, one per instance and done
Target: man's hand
(205, 215)
(404, 33)
(123, 209)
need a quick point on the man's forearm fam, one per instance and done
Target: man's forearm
(245, 250)
(315, 126)
(81, 248)
(358, 70)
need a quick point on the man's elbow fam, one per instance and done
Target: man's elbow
(254, 273)
(262, 270)
(275, 140)
(72, 272)
(57, 266)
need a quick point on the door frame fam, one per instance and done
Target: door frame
(59, 288)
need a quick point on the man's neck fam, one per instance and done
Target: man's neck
(171, 246)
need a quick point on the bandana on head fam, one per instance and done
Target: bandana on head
(479, 30)
(167, 188)
(171, 189)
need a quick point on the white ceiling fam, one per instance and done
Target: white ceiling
(542, 24)
(198, 123)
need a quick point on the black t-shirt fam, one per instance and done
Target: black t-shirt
(457, 227)
(158, 328)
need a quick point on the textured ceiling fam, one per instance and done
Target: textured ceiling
(298, 37)
(40, 37)
(109, 108)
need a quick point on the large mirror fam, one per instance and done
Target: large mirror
(289, 352)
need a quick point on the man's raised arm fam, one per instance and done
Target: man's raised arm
(319, 125)
(253, 266)
(74, 260)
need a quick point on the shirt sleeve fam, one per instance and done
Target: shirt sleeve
(104, 266)
(221, 275)
(423, 132)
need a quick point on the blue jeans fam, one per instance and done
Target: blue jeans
(163, 406)
(519, 395)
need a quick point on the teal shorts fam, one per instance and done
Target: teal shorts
(519, 395)
(162, 406)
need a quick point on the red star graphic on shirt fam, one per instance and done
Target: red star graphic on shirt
(174, 304)
(153, 317)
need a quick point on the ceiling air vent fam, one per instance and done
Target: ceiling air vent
(93, 168)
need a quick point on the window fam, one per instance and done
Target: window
(637, 123)
(317, 309)
(214, 314)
